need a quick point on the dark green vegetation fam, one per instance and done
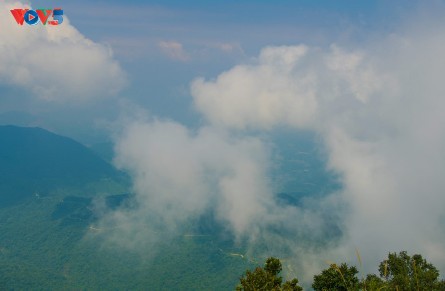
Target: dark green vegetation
(341, 277)
(49, 233)
(397, 272)
(406, 272)
(34, 162)
(48, 241)
(267, 278)
(48, 244)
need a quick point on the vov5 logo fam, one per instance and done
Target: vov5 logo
(32, 17)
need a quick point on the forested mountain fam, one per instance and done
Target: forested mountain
(36, 161)
(48, 234)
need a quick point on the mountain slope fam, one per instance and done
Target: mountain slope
(34, 160)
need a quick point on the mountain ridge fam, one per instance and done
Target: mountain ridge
(33, 159)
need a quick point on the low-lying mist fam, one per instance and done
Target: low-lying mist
(378, 112)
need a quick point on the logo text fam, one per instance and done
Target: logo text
(32, 17)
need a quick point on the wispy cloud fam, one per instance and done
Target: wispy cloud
(179, 175)
(174, 50)
(227, 47)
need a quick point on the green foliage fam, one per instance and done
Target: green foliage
(47, 244)
(404, 272)
(273, 266)
(398, 272)
(291, 285)
(267, 278)
(50, 240)
(372, 282)
(35, 161)
(336, 277)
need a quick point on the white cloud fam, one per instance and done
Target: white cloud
(380, 113)
(174, 50)
(259, 95)
(179, 175)
(287, 85)
(55, 63)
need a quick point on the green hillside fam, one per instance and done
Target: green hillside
(34, 161)
(48, 244)
(48, 188)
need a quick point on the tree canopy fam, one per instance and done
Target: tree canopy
(403, 272)
(267, 278)
(397, 272)
(336, 277)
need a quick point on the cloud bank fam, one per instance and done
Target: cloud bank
(378, 111)
(55, 63)
(182, 175)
